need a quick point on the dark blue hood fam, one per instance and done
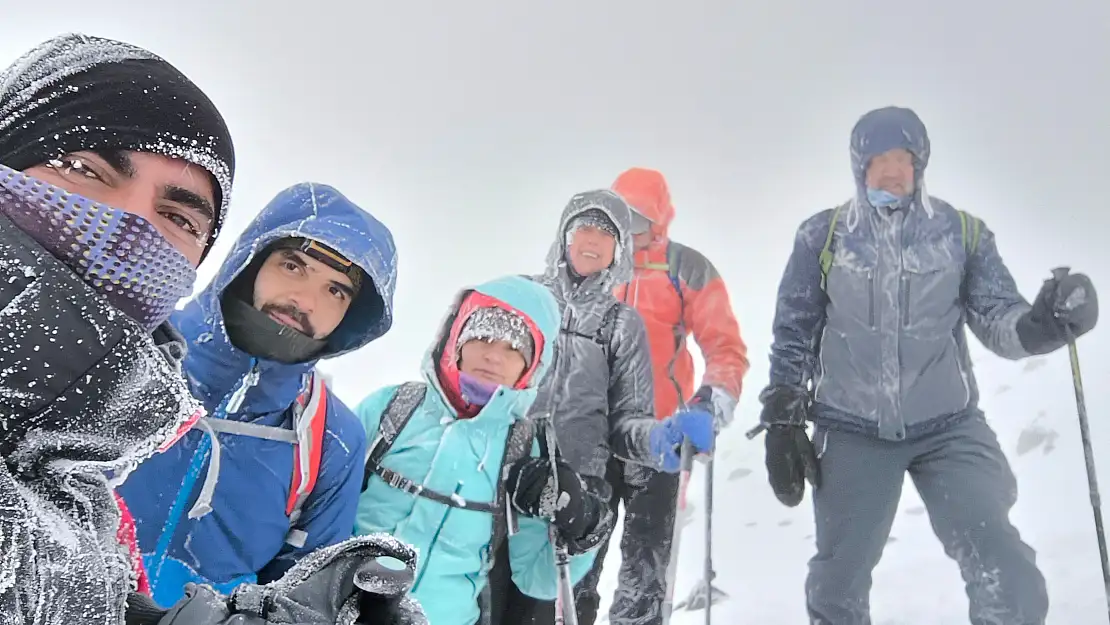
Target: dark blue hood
(314, 211)
(886, 129)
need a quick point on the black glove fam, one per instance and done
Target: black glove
(364, 580)
(1066, 302)
(790, 456)
(530, 487)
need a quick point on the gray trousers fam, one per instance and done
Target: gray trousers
(968, 489)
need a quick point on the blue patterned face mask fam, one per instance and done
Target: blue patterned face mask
(120, 255)
(881, 198)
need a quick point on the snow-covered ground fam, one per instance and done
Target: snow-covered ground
(761, 548)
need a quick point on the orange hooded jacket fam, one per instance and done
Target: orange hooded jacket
(704, 309)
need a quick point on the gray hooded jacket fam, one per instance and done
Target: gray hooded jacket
(600, 393)
(884, 342)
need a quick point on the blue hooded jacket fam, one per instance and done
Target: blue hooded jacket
(242, 539)
(448, 454)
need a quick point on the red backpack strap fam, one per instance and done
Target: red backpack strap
(125, 534)
(309, 423)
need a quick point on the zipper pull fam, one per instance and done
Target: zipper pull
(236, 400)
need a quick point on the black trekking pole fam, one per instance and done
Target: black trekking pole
(566, 613)
(1088, 450)
(705, 594)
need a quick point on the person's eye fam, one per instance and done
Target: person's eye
(183, 223)
(75, 167)
(338, 293)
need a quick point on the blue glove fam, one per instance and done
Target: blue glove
(667, 435)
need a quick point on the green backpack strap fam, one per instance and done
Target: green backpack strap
(826, 256)
(970, 245)
(976, 228)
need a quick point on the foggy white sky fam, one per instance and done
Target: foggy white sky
(465, 127)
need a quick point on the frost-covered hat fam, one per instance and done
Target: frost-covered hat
(595, 218)
(76, 92)
(492, 323)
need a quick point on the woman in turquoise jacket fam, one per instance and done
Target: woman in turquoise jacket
(454, 466)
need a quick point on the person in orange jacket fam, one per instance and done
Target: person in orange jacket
(677, 292)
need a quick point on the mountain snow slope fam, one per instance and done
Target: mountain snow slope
(760, 547)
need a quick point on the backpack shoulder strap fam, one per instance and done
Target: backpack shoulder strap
(970, 246)
(674, 260)
(518, 445)
(309, 423)
(395, 417)
(604, 334)
(826, 256)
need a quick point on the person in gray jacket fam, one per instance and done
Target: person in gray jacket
(601, 402)
(872, 308)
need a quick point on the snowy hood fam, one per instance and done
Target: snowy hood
(616, 208)
(312, 211)
(531, 299)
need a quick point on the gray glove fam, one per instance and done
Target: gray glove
(361, 581)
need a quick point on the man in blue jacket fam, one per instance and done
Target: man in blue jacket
(872, 309)
(274, 471)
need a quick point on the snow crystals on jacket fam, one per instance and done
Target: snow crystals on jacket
(463, 458)
(243, 537)
(87, 394)
(883, 339)
(600, 392)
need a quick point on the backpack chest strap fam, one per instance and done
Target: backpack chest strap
(253, 430)
(400, 482)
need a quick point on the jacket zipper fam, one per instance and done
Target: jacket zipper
(960, 369)
(435, 539)
(871, 298)
(905, 301)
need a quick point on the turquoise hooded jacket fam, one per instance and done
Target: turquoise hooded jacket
(448, 454)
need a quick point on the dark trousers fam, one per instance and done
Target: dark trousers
(649, 503)
(968, 489)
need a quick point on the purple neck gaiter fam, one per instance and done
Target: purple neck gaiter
(120, 255)
(475, 391)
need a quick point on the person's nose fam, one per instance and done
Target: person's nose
(138, 199)
(303, 299)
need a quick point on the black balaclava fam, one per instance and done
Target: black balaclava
(76, 92)
(253, 331)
